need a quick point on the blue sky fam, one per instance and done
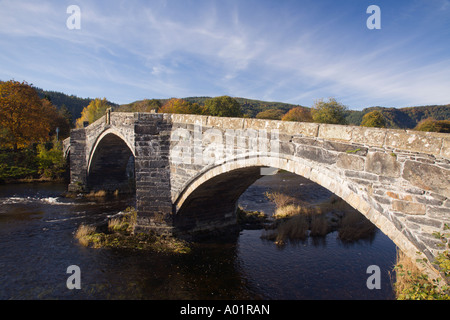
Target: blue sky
(277, 50)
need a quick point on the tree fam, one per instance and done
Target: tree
(329, 112)
(300, 114)
(224, 106)
(180, 106)
(94, 111)
(432, 125)
(23, 119)
(271, 114)
(374, 119)
(58, 119)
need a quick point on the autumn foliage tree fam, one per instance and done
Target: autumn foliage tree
(300, 114)
(329, 111)
(24, 117)
(180, 106)
(94, 111)
(374, 119)
(223, 106)
(270, 114)
(59, 119)
(432, 125)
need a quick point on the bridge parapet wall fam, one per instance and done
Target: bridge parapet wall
(433, 143)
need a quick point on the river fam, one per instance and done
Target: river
(37, 245)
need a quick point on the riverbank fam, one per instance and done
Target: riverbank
(43, 162)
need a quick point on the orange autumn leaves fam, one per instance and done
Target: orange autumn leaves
(25, 118)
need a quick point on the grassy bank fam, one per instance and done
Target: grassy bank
(119, 234)
(411, 284)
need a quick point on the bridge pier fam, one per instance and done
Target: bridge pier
(152, 174)
(78, 166)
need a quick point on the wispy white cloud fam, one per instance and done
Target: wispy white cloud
(129, 49)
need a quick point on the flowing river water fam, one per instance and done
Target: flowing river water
(37, 245)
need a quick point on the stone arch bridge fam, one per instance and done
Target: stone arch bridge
(188, 171)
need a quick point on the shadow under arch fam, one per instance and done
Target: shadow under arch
(209, 200)
(111, 165)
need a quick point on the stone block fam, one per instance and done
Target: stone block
(445, 151)
(345, 147)
(408, 207)
(440, 213)
(371, 136)
(361, 175)
(296, 128)
(228, 123)
(397, 196)
(414, 141)
(428, 177)
(335, 132)
(351, 162)
(315, 154)
(382, 164)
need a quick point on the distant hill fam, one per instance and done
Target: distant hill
(73, 103)
(396, 118)
(250, 107)
(403, 118)
(399, 118)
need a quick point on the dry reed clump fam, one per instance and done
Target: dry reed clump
(287, 211)
(84, 234)
(115, 224)
(97, 194)
(293, 229)
(125, 223)
(281, 199)
(120, 234)
(293, 220)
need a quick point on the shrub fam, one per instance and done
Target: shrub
(431, 125)
(271, 114)
(300, 114)
(51, 161)
(412, 284)
(329, 112)
(224, 106)
(374, 119)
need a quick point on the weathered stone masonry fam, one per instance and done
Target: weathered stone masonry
(399, 179)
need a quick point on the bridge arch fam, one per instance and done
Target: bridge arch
(111, 163)
(218, 188)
